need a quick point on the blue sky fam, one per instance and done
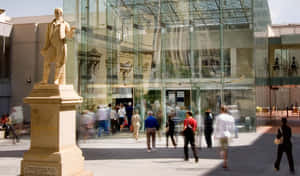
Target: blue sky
(285, 11)
(17, 8)
(282, 11)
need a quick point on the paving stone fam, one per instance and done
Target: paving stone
(252, 154)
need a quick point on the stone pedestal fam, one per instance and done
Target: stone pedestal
(53, 150)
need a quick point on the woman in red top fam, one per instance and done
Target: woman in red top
(4, 119)
(9, 128)
(190, 126)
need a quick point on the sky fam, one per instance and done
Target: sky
(282, 11)
(285, 11)
(19, 8)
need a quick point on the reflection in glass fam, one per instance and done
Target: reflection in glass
(165, 56)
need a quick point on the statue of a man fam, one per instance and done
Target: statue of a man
(55, 49)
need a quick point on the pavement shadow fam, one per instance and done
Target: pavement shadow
(257, 159)
(141, 153)
(12, 154)
(254, 160)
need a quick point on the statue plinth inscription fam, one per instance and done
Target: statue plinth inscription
(53, 150)
(40, 170)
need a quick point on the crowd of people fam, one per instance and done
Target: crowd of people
(224, 130)
(223, 127)
(107, 120)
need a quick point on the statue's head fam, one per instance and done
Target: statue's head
(58, 12)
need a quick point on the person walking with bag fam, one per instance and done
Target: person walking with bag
(190, 126)
(283, 139)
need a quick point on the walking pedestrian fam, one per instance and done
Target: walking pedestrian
(151, 125)
(4, 121)
(121, 113)
(8, 125)
(225, 130)
(86, 124)
(108, 112)
(190, 126)
(136, 124)
(284, 133)
(101, 118)
(208, 127)
(114, 120)
(170, 130)
(159, 118)
(129, 112)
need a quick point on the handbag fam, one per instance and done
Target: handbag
(125, 122)
(280, 140)
(167, 129)
(131, 128)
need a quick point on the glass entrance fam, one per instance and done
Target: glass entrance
(161, 54)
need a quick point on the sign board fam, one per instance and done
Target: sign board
(35, 170)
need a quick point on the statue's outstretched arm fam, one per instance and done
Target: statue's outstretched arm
(69, 31)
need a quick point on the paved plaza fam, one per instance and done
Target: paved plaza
(251, 154)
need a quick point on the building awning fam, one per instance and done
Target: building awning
(5, 29)
(290, 39)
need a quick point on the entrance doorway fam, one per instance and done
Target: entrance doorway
(179, 98)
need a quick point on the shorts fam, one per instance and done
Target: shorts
(223, 143)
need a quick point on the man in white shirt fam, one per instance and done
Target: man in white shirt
(225, 129)
(101, 119)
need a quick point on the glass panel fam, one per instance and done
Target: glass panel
(261, 24)
(169, 56)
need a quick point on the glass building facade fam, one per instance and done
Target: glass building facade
(169, 54)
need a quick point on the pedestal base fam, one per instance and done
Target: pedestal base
(45, 162)
(53, 150)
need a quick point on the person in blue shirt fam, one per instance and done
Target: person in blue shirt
(151, 125)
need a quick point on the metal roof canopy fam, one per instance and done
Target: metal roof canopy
(183, 12)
